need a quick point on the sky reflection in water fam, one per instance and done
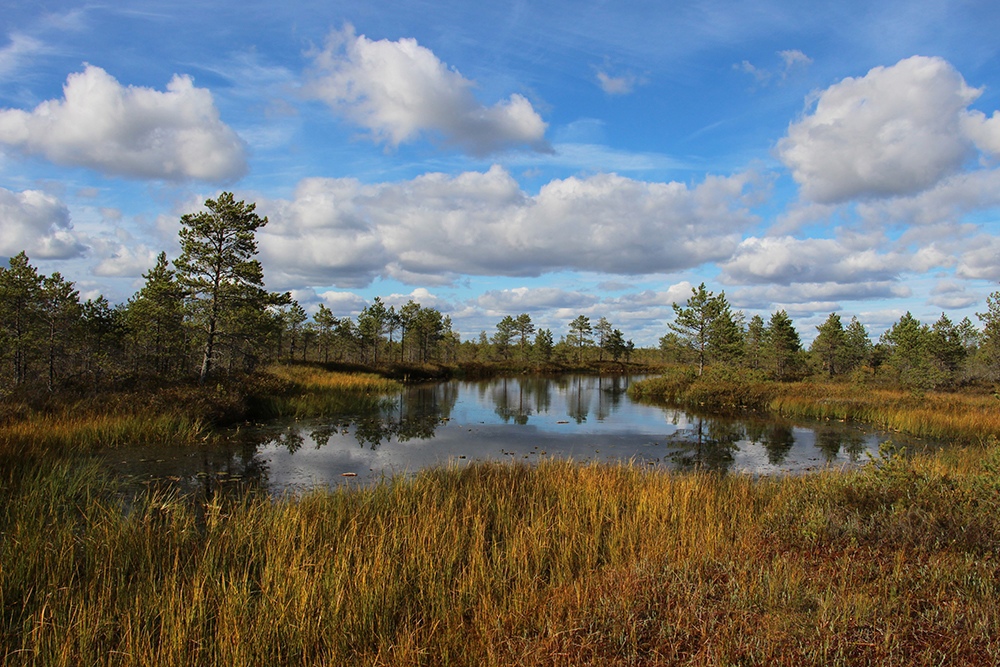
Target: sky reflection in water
(585, 418)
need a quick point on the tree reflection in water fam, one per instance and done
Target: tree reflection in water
(708, 445)
(610, 422)
(777, 438)
(414, 413)
(831, 440)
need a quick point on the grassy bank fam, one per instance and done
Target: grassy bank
(968, 417)
(561, 564)
(180, 413)
(310, 391)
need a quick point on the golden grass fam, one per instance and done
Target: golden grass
(68, 432)
(182, 415)
(316, 392)
(560, 564)
(312, 379)
(969, 417)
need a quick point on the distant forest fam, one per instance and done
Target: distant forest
(208, 313)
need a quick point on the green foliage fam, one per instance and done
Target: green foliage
(755, 343)
(724, 389)
(504, 336)
(525, 328)
(543, 344)
(708, 326)
(580, 330)
(223, 284)
(155, 321)
(372, 323)
(857, 348)
(828, 345)
(909, 360)
(20, 315)
(615, 344)
(990, 351)
(783, 348)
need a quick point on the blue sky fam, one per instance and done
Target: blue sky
(556, 158)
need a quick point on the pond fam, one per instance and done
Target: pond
(528, 418)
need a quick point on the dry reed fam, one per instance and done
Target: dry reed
(559, 564)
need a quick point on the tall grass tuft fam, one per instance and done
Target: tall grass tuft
(559, 564)
(67, 432)
(314, 392)
(719, 389)
(966, 417)
(963, 417)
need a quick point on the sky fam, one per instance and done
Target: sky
(551, 158)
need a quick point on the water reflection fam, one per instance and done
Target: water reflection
(709, 445)
(586, 418)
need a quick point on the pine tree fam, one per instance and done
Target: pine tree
(544, 344)
(20, 314)
(945, 346)
(325, 321)
(294, 318)
(579, 335)
(603, 331)
(504, 337)
(708, 326)
(223, 283)
(990, 342)
(60, 316)
(372, 325)
(155, 320)
(783, 347)
(754, 342)
(908, 355)
(857, 347)
(525, 328)
(828, 345)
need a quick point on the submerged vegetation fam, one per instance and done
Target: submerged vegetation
(503, 564)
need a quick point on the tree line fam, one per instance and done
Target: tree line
(206, 313)
(517, 339)
(910, 354)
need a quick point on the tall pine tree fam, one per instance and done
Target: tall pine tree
(223, 281)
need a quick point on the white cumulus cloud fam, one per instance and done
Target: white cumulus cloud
(129, 131)
(532, 300)
(437, 226)
(825, 267)
(895, 131)
(981, 261)
(401, 90)
(37, 223)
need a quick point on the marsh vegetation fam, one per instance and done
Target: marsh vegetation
(490, 563)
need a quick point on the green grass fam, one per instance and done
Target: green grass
(559, 564)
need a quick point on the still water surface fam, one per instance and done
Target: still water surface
(585, 418)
